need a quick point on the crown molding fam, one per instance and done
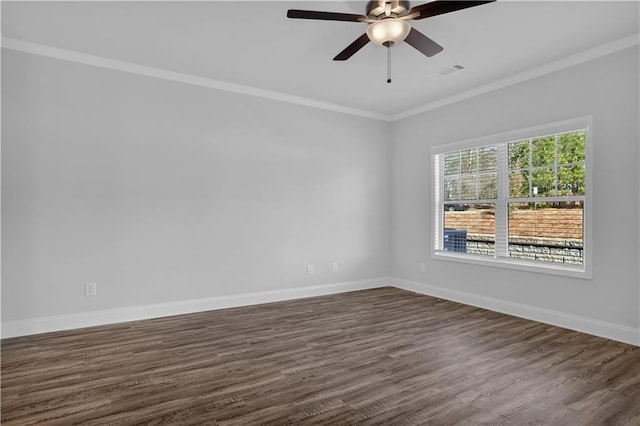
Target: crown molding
(569, 61)
(114, 64)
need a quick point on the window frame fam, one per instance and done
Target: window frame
(502, 139)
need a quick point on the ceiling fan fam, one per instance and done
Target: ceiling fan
(388, 24)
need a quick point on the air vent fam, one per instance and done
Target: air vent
(451, 69)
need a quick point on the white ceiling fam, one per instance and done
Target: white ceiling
(252, 43)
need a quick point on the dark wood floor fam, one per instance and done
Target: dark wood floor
(383, 356)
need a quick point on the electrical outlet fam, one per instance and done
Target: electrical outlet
(309, 269)
(423, 267)
(334, 267)
(90, 289)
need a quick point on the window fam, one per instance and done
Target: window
(516, 200)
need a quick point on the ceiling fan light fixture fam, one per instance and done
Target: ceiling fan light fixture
(389, 31)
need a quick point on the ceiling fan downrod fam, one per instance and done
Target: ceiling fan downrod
(388, 45)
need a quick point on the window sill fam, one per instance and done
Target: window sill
(520, 265)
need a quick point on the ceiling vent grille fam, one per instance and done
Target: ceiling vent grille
(451, 69)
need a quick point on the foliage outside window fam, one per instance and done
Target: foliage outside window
(519, 200)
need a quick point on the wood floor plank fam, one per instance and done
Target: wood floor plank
(375, 357)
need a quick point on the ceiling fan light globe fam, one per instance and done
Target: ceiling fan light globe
(388, 30)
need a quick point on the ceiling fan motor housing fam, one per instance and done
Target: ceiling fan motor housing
(376, 8)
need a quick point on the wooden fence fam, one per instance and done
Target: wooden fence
(547, 222)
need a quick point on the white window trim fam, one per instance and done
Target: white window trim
(586, 270)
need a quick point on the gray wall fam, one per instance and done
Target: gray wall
(161, 191)
(607, 89)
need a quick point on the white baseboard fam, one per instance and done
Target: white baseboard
(605, 329)
(618, 332)
(134, 313)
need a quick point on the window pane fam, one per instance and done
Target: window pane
(571, 180)
(452, 163)
(488, 186)
(544, 181)
(543, 151)
(537, 172)
(469, 187)
(519, 183)
(519, 155)
(547, 233)
(452, 188)
(571, 148)
(471, 231)
(469, 161)
(487, 158)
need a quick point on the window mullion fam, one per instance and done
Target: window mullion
(555, 166)
(477, 172)
(530, 142)
(501, 217)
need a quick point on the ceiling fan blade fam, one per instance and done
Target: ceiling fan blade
(325, 16)
(423, 43)
(441, 6)
(351, 49)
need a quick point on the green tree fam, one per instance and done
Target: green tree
(545, 163)
(519, 168)
(571, 164)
